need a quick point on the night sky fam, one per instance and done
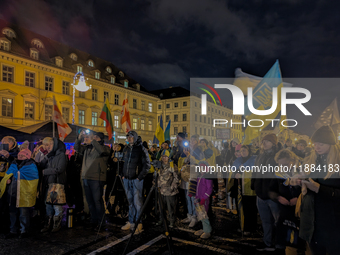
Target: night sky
(162, 43)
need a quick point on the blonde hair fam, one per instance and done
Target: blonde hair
(47, 141)
(288, 154)
(333, 158)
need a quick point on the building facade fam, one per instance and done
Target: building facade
(34, 69)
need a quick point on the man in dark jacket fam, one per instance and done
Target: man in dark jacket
(54, 172)
(136, 167)
(95, 162)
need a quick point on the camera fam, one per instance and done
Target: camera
(156, 164)
(4, 146)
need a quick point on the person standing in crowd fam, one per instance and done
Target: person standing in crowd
(136, 167)
(300, 149)
(54, 172)
(153, 151)
(95, 162)
(24, 168)
(178, 149)
(203, 191)
(168, 182)
(243, 179)
(268, 209)
(286, 195)
(165, 146)
(288, 144)
(6, 158)
(231, 156)
(320, 207)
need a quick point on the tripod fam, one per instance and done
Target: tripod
(161, 210)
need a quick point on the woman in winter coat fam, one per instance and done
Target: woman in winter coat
(286, 195)
(21, 198)
(320, 207)
(268, 209)
(203, 191)
(243, 179)
(54, 173)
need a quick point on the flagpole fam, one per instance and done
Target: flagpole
(53, 119)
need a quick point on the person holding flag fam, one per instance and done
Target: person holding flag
(107, 117)
(63, 128)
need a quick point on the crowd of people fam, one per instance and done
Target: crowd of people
(299, 210)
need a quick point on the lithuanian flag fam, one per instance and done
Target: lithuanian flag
(106, 116)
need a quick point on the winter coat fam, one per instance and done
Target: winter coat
(95, 159)
(246, 176)
(168, 180)
(5, 162)
(298, 153)
(204, 189)
(258, 183)
(27, 192)
(54, 166)
(136, 160)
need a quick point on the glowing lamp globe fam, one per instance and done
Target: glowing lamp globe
(81, 86)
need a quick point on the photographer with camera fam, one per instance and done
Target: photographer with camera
(95, 160)
(136, 167)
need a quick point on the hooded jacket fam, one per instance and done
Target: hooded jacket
(95, 159)
(204, 189)
(168, 179)
(136, 160)
(55, 169)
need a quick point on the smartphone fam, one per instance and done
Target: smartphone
(4, 146)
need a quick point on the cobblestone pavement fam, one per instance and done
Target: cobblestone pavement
(112, 240)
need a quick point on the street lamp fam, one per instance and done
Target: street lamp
(80, 86)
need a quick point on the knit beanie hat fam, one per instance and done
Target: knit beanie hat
(236, 140)
(271, 138)
(196, 137)
(324, 134)
(25, 152)
(181, 134)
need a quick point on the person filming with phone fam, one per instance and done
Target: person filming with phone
(95, 160)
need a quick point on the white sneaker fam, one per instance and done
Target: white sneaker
(199, 232)
(193, 222)
(139, 229)
(205, 235)
(187, 219)
(127, 226)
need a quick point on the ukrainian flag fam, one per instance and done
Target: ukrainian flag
(262, 100)
(159, 134)
(167, 131)
(27, 178)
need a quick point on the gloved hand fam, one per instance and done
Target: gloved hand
(312, 185)
(202, 202)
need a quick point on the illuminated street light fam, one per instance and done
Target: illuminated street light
(80, 86)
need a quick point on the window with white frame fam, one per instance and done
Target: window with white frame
(66, 114)
(142, 124)
(108, 69)
(97, 75)
(150, 107)
(59, 62)
(7, 73)
(116, 99)
(79, 68)
(81, 115)
(150, 125)
(90, 63)
(94, 94)
(7, 107)
(4, 45)
(134, 123)
(143, 106)
(73, 56)
(106, 96)
(48, 83)
(116, 121)
(29, 110)
(94, 118)
(48, 112)
(134, 103)
(66, 88)
(112, 80)
(34, 54)
(29, 79)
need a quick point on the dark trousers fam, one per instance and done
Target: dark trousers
(94, 193)
(169, 202)
(146, 189)
(250, 213)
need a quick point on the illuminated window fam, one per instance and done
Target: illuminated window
(81, 117)
(143, 105)
(48, 112)
(66, 114)
(150, 125)
(79, 69)
(112, 80)
(48, 83)
(29, 110)
(94, 118)
(150, 107)
(59, 62)
(90, 63)
(108, 69)
(116, 121)
(4, 45)
(34, 54)
(66, 88)
(134, 124)
(142, 124)
(7, 107)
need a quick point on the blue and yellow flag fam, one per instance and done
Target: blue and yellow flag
(159, 134)
(27, 178)
(262, 100)
(167, 131)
